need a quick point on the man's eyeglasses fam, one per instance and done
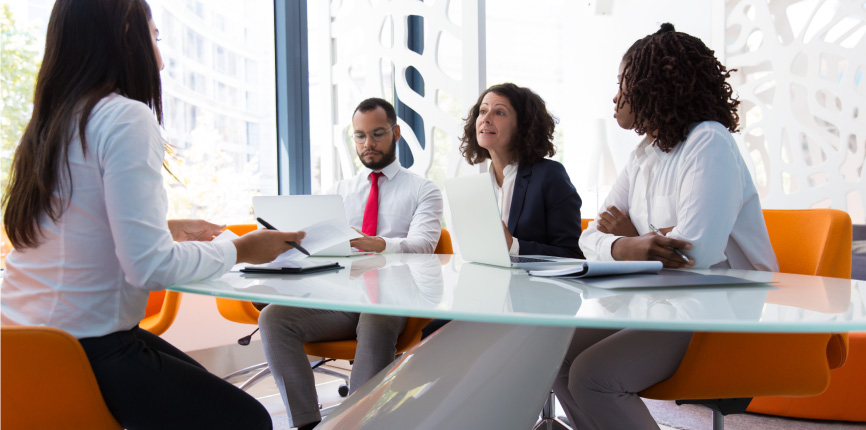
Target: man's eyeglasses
(376, 135)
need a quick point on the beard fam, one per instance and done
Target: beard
(387, 157)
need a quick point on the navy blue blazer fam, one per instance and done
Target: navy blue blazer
(545, 211)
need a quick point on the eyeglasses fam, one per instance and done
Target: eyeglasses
(376, 135)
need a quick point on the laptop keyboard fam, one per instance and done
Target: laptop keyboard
(529, 260)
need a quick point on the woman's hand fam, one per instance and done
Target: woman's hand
(263, 246)
(368, 243)
(616, 222)
(508, 238)
(653, 247)
(183, 230)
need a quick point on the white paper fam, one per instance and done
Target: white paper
(320, 236)
(225, 235)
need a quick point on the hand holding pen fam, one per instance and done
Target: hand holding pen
(652, 246)
(297, 246)
(677, 250)
(263, 246)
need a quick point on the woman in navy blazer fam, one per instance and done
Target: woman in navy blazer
(540, 209)
(545, 210)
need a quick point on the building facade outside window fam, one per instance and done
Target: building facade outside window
(218, 99)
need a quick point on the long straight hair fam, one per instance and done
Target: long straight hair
(92, 48)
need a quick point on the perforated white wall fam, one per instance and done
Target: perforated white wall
(369, 57)
(801, 82)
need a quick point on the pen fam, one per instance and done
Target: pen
(268, 226)
(677, 250)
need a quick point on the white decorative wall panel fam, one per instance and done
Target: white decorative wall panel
(369, 56)
(803, 113)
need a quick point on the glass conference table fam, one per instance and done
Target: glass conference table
(494, 364)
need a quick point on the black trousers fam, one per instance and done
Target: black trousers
(149, 384)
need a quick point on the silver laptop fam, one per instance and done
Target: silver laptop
(478, 227)
(293, 213)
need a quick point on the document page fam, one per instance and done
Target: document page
(225, 235)
(320, 236)
(600, 268)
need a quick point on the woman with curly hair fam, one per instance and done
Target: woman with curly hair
(540, 209)
(686, 177)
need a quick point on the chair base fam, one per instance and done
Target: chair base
(343, 390)
(261, 371)
(549, 421)
(720, 408)
(551, 424)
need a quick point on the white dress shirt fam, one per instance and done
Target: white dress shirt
(704, 190)
(504, 195)
(93, 270)
(410, 208)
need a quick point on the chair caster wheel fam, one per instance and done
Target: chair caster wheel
(343, 390)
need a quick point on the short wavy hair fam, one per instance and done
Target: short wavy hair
(534, 138)
(672, 80)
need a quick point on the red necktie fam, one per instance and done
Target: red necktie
(371, 212)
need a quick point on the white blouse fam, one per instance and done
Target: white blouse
(92, 271)
(704, 190)
(504, 195)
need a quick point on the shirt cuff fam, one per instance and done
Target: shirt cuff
(392, 245)
(230, 254)
(606, 244)
(515, 247)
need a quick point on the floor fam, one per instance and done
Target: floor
(223, 360)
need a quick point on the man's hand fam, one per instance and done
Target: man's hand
(651, 246)
(263, 246)
(193, 229)
(616, 222)
(508, 238)
(368, 243)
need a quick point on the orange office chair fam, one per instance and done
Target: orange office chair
(731, 368)
(845, 396)
(245, 313)
(162, 307)
(48, 382)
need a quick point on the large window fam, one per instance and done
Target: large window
(218, 99)
(219, 106)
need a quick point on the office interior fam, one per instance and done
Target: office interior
(258, 97)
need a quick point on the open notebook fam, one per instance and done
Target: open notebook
(586, 268)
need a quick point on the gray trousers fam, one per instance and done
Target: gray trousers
(284, 331)
(604, 370)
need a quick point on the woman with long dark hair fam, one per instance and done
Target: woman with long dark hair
(85, 209)
(687, 178)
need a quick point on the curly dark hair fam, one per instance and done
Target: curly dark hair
(534, 138)
(672, 80)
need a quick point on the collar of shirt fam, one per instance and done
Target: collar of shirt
(509, 173)
(647, 148)
(390, 170)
